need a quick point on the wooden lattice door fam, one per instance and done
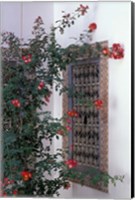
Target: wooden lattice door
(84, 78)
(88, 78)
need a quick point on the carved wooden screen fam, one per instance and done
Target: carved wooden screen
(84, 79)
(88, 78)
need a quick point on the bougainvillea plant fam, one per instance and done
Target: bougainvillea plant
(30, 168)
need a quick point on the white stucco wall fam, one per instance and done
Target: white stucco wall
(19, 17)
(10, 17)
(113, 21)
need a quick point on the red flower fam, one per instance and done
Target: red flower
(12, 181)
(4, 194)
(6, 181)
(67, 185)
(98, 103)
(72, 113)
(27, 58)
(116, 46)
(60, 132)
(83, 9)
(15, 192)
(68, 121)
(26, 175)
(71, 163)
(41, 85)
(16, 103)
(68, 128)
(92, 27)
(75, 114)
(117, 51)
(105, 51)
